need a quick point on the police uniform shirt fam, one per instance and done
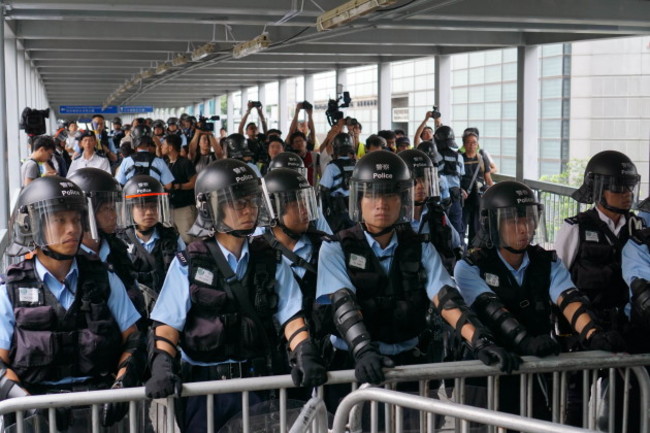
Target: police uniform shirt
(444, 187)
(164, 177)
(95, 161)
(333, 276)
(636, 262)
(174, 301)
(422, 227)
(472, 285)
(150, 244)
(119, 304)
(104, 250)
(453, 181)
(255, 169)
(567, 239)
(327, 180)
(645, 216)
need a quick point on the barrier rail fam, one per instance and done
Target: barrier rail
(589, 363)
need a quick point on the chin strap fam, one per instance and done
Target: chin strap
(514, 251)
(379, 233)
(146, 232)
(604, 204)
(241, 233)
(293, 235)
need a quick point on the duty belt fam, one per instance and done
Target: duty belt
(227, 370)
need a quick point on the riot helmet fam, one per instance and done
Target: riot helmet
(511, 217)
(52, 214)
(145, 203)
(381, 177)
(424, 173)
(158, 123)
(342, 145)
(609, 172)
(117, 121)
(237, 146)
(444, 137)
(229, 198)
(292, 200)
(105, 194)
(289, 160)
(173, 121)
(141, 130)
(430, 149)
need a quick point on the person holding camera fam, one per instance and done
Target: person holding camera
(256, 143)
(299, 143)
(424, 132)
(472, 184)
(204, 149)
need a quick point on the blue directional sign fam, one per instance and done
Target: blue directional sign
(111, 109)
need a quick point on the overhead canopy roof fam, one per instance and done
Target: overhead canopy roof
(86, 50)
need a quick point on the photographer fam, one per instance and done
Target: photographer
(204, 149)
(256, 143)
(104, 146)
(299, 143)
(424, 132)
(39, 164)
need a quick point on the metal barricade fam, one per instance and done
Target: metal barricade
(593, 366)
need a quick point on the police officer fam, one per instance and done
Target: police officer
(45, 307)
(451, 167)
(429, 148)
(106, 201)
(152, 241)
(429, 216)
(380, 277)
(513, 285)
(591, 242)
(220, 299)
(335, 183)
(173, 128)
(237, 147)
(144, 160)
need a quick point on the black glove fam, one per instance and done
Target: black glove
(369, 363)
(164, 380)
(307, 367)
(114, 412)
(610, 341)
(541, 345)
(489, 353)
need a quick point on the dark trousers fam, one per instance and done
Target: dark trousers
(455, 212)
(471, 220)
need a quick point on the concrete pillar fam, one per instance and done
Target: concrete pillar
(527, 113)
(308, 82)
(384, 99)
(443, 86)
(283, 109)
(231, 113)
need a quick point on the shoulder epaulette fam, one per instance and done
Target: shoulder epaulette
(182, 258)
(572, 220)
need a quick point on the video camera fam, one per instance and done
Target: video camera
(206, 123)
(255, 104)
(306, 105)
(334, 113)
(435, 113)
(32, 121)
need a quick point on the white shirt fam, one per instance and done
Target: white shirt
(95, 161)
(567, 239)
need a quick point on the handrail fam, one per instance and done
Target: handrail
(539, 185)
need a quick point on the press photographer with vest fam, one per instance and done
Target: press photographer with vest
(380, 277)
(144, 161)
(335, 183)
(513, 286)
(152, 241)
(220, 299)
(45, 308)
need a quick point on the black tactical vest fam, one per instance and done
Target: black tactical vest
(216, 328)
(529, 303)
(440, 234)
(449, 164)
(346, 167)
(596, 270)
(50, 343)
(394, 306)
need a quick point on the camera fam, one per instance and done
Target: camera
(256, 104)
(206, 123)
(334, 113)
(435, 113)
(32, 121)
(306, 105)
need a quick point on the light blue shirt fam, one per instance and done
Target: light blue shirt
(120, 305)
(422, 227)
(645, 216)
(636, 262)
(164, 177)
(174, 301)
(327, 180)
(453, 181)
(444, 187)
(104, 250)
(333, 276)
(471, 284)
(255, 169)
(150, 244)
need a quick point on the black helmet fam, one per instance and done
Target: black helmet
(117, 121)
(228, 182)
(286, 189)
(342, 145)
(158, 123)
(612, 171)
(138, 132)
(506, 204)
(102, 189)
(444, 137)
(142, 194)
(430, 149)
(424, 173)
(37, 203)
(380, 173)
(173, 121)
(288, 160)
(237, 146)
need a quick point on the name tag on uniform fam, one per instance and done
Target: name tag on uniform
(204, 276)
(28, 294)
(591, 236)
(357, 261)
(492, 280)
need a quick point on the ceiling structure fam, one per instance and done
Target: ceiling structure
(86, 50)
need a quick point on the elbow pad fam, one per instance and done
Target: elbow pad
(349, 321)
(494, 314)
(641, 299)
(449, 298)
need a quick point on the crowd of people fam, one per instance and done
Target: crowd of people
(159, 253)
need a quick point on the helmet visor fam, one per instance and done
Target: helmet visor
(620, 192)
(386, 203)
(108, 208)
(147, 210)
(60, 223)
(295, 208)
(426, 184)
(240, 207)
(517, 227)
